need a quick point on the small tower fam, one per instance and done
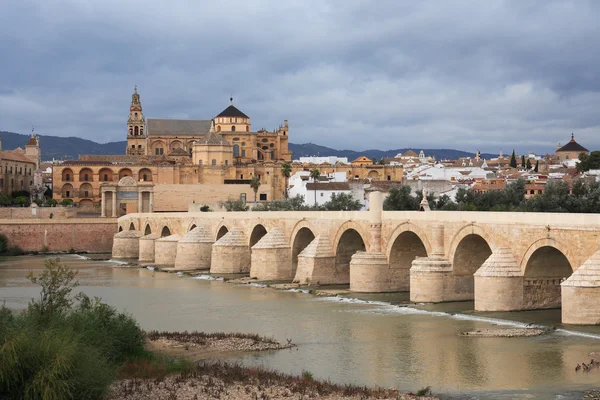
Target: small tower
(232, 119)
(136, 137)
(32, 149)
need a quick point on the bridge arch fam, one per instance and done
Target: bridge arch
(360, 229)
(148, 229)
(406, 244)
(301, 238)
(132, 226)
(165, 231)
(349, 241)
(465, 231)
(221, 231)
(257, 233)
(545, 265)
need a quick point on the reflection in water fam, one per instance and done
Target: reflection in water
(376, 344)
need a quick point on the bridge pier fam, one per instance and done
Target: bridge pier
(369, 273)
(146, 253)
(316, 263)
(230, 254)
(165, 250)
(194, 250)
(581, 294)
(431, 279)
(126, 245)
(499, 283)
(271, 257)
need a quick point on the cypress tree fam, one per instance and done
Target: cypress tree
(523, 161)
(513, 160)
(537, 166)
(528, 165)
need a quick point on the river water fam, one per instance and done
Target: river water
(373, 340)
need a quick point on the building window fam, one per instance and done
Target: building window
(389, 177)
(135, 131)
(200, 163)
(159, 151)
(241, 176)
(105, 177)
(136, 116)
(233, 128)
(263, 197)
(130, 131)
(236, 150)
(226, 162)
(85, 177)
(139, 146)
(236, 139)
(271, 145)
(243, 153)
(214, 162)
(142, 131)
(265, 140)
(243, 144)
(86, 194)
(67, 194)
(133, 146)
(321, 194)
(247, 129)
(68, 176)
(145, 177)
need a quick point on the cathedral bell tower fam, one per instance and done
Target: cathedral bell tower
(136, 137)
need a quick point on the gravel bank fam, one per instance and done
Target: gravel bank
(513, 332)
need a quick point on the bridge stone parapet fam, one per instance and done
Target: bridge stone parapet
(435, 255)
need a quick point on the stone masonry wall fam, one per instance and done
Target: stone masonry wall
(79, 234)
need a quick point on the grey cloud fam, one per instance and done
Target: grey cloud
(355, 74)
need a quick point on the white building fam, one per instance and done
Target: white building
(320, 160)
(302, 184)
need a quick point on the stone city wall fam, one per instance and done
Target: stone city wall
(79, 234)
(37, 212)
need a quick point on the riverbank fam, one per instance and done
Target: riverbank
(214, 379)
(222, 380)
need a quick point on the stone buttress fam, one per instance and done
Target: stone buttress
(370, 271)
(316, 263)
(272, 257)
(499, 283)
(231, 254)
(165, 250)
(147, 248)
(126, 245)
(194, 250)
(431, 277)
(581, 294)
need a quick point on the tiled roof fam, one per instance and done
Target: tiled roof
(572, 146)
(12, 155)
(328, 186)
(158, 127)
(32, 141)
(213, 139)
(410, 153)
(232, 111)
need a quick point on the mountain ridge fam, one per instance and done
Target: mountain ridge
(64, 148)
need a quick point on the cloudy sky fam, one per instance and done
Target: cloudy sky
(489, 75)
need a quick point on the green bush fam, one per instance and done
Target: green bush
(66, 202)
(64, 349)
(5, 200)
(14, 251)
(3, 243)
(20, 193)
(51, 202)
(21, 201)
(205, 208)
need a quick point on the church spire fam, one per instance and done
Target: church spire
(136, 105)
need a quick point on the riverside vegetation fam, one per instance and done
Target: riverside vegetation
(76, 347)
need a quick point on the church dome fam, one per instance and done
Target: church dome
(572, 146)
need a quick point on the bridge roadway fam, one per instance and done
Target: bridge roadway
(503, 261)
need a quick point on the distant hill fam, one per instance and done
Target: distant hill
(63, 148)
(311, 149)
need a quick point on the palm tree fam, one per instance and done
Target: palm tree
(286, 171)
(255, 184)
(315, 174)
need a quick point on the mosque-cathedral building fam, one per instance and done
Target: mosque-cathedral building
(172, 163)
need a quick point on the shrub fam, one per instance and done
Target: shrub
(5, 200)
(51, 202)
(234, 205)
(14, 251)
(426, 391)
(51, 215)
(59, 349)
(66, 202)
(205, 208)
(21, 201)
(3, 243)
(20, 193)
(45, 248)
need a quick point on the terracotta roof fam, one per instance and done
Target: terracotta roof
(12, 155)
(157, 127)
(410, 153)
(213, 139)
(362, 158)
(328, 186)
(32, 141)
(232, 111)
(572, 146)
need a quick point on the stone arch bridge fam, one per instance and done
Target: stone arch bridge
(503, 261)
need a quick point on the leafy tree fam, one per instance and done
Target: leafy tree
(342, 202)
(537, 166)
(57, 282)
(523, 161)
(528, 164)
(255, 184)
(66, 202)
(400, 199)
(21, 201)
(51, 202)
(205, 208)
(315, 174)
(587, 162)
(233, 205)
(294, 204)
(19, 193)
(286, 171)
(48, 193)
(513, 160)
(5, 200)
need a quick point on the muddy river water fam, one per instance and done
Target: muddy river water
(374, 340)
